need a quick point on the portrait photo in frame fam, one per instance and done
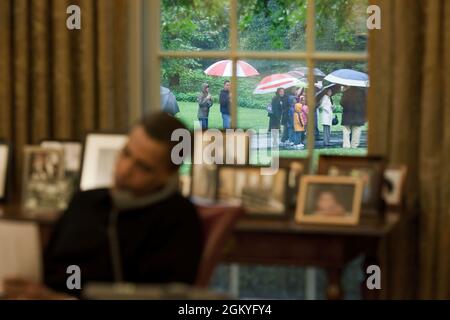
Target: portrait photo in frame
(72, 153)
(99, 159)
(329, 200)
(370, 169)
(259, 195)
(44, 187)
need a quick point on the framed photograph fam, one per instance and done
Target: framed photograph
(329, 200)
(260, 195)
(44, 186)
(5, 155)
(72, 153)
(212, 148)
(370, 169)
(99, 159)
(394, 185)
(296, 168)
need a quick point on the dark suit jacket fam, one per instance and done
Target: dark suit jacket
(158, 244)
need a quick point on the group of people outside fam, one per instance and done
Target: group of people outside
(353, 104)
(288, 109)
(288, 112)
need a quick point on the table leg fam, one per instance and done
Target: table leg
(334, 289)
(310, 283)
(234, 280)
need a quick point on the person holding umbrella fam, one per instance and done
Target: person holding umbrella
(204, 103)
(327, 116)
(353, 103)
(276, 108)
(287, 118)
(353, 115)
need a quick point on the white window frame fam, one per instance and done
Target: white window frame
(144, 80)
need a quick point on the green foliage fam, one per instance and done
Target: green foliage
(186, 97)
(263, 25)
(191, 25)
(192, 80)
(266, 25)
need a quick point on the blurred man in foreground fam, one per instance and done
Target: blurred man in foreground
(141, 230)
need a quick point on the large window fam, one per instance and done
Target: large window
(307, 39)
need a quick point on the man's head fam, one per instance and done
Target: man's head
(226, 85)
(280, 92)
(144, 165)
(293, 90)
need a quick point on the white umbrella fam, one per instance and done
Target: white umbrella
(348, 77)
(271, 83)
(223, 68)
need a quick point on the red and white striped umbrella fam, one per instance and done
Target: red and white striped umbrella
(223, 69)
(279, 80)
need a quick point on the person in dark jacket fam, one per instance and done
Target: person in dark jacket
(204, 104)
(139, 231)
(224, 100)
(353, 115)
(276, 109)
(287, 118)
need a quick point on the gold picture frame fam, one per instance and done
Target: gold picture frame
(259, 195)
(44, 187)
(370, 168)
(333, 200)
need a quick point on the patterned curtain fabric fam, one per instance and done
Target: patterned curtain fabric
(57, 83)
(409, 114)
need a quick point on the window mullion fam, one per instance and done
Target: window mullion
(310, 49)
(234, 57)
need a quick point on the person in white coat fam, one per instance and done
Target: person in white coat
(327, 116)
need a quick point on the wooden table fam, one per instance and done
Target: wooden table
(272, 242)
(282, 242)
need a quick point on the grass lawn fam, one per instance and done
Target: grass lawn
(247, 118)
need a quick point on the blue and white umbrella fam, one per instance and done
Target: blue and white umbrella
(348, 77)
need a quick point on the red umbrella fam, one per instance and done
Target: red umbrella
(223, 69)
(279, 80)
